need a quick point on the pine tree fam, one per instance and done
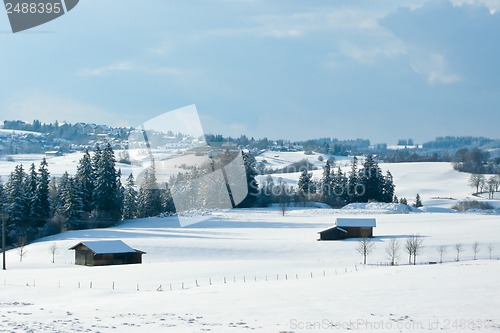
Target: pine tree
(149, 200)
(167, 200)
(353, 182)
(340, 188)
(31, 186)
(40, 207)
(304, 185)
(251, 183)
(106, 198)
(85, 175)
(372, 179)
(120, 191)
(388, 189)
(17, 205)
(61, 188)
(327, 184)
(73, 205)
(418, 202)
(130, 199)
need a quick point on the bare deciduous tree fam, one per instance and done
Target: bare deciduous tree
(53, 250)
(441, 250)
(21, 243)
(392, 250)
(459, 248)
(414, 246)
(490, 249)
(475, 249)
(365, 247)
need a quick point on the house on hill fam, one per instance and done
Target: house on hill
(347, 227)
(106, 252)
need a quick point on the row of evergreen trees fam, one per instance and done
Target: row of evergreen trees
(34, 204)
(334, 188)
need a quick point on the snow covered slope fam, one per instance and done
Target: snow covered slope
(251, 269)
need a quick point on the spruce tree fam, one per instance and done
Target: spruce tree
(340, 187)
(17, 205)
(73, 205)
(251, 183)
(327, 184)
(352, 182)
(41, 207)
(106, 198)
(130, 199)
(167, 200)
(373, 181)
(418, 202)
(304, 185)
(149, 200)
(31, 186)
(389, 188)
(85, 175)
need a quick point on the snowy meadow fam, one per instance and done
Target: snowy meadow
(246, 270)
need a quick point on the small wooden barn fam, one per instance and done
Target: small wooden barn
(106, 252)
(347, 227)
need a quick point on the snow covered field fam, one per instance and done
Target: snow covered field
(266, 261)
(250, 270)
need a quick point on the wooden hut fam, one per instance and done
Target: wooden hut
(349, 228)
(106, 252)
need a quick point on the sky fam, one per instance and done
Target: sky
(291, 69)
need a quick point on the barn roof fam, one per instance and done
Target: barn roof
(355, 222)
(106, 246)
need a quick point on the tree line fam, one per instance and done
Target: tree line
(34, 204)
(335, 187)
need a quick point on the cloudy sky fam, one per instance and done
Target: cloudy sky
(293, 69)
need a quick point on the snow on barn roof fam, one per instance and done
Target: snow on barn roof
(106, 246)
(355, 222)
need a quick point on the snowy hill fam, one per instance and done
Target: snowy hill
(245, 248)
(255, 270)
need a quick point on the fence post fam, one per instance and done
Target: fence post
(90, 284)
(197, 283)
(137, 287)
(311, 275)
(113, 285)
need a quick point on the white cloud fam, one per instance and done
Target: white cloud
(123, 67)
(434, 67)
(48, 108)
(110, 69)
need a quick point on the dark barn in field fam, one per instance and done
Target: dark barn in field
(109, 252)
(349, 228)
